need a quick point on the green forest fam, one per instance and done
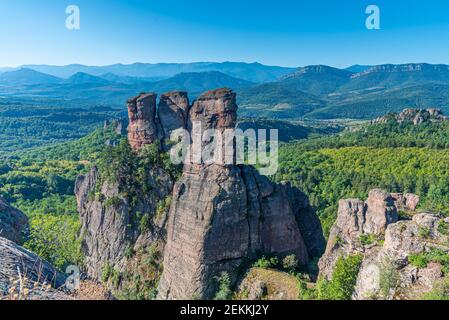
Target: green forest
(327, 164)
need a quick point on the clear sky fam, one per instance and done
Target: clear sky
(276, 32)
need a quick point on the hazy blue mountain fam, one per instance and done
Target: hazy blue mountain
(6, 69)
(197, 82)
(358, 68)
(129, 80)
(317, 80)
(254, 72)
(85, 88)
(26, 77)
(83, 78)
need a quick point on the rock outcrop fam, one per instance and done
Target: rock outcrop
(388, 246)
(173, 112)
(222, 215)
(143, 128)
(113, 222)
(415, 116)
(13, 223)
(20, 265)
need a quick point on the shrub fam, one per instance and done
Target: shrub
(305, 293)
(113, 202)
(369, 239)
(443, 228)
(439, 292)
(55, 239)
(421, 260)
(266, 263)
(388, 278)
(290, 263)
(424, 232)
(418, 260)
(344, 279)
(224, 292)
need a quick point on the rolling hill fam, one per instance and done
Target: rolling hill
(197, 82)
(26, 77)
(254, 72)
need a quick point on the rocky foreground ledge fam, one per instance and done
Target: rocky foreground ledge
(402, 259)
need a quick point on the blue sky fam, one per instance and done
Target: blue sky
(277, 32)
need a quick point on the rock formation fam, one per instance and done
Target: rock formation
(415, 116)
(112, 221)
(173, 112)
(13, 223)
(19, 264)
(222, 215)
(142, 127)
(372, 229)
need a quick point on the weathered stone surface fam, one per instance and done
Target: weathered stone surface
(406, 201)
(386, 271)
(224, 214)
(381, 211)
(216, 109)
(220, 215)
(415, 116)
(356, 218)
(173, 111)
(13, 223)
(109, 230)
(15, 259)
(143, 128)
(402, 240)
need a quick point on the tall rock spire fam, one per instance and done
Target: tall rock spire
(142, 129)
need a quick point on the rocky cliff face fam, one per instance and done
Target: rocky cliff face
(415, 116)
(224, 214)
(220, 215)
(115, 225)
(389, 247)
(143, 127)
(13, 223)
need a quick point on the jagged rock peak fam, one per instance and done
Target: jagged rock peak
(142, 129)
(216, 109)
(173, 111)
(416, 116)
(222, 215)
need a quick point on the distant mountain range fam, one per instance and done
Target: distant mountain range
(327, 93)
(318, 92)
(254, 72)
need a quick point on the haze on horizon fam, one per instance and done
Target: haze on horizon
(289, 33)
